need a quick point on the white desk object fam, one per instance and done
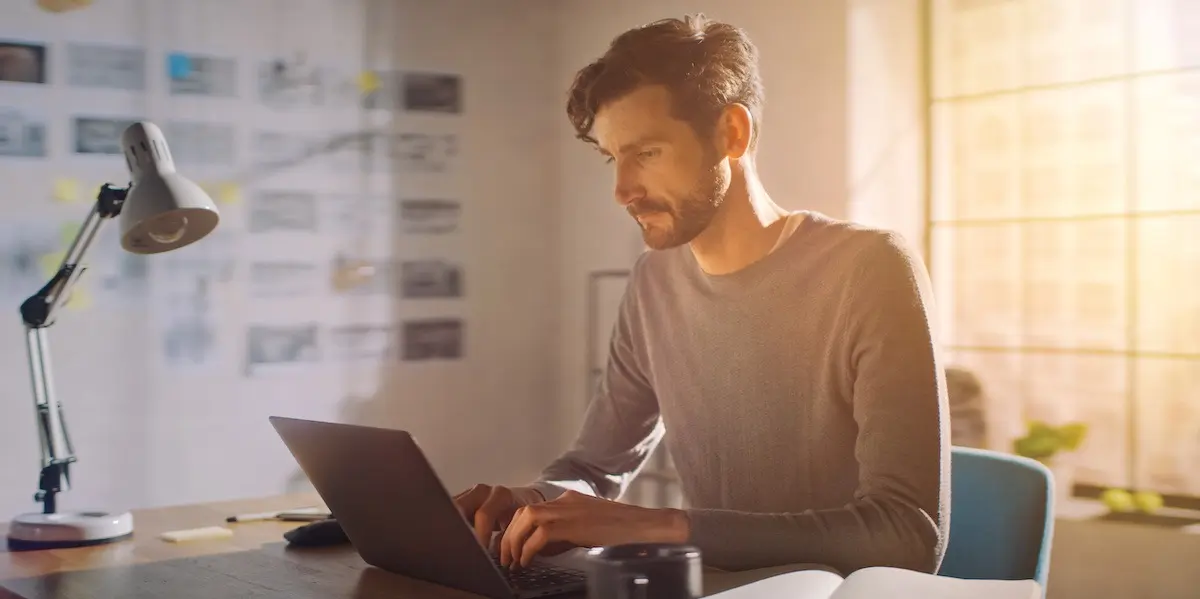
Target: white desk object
(873, 583)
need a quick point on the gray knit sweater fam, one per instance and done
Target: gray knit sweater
(801, 398)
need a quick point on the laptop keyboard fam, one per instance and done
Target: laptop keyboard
(540, 575)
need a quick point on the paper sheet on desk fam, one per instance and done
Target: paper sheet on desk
(871, 583)
(813, 580)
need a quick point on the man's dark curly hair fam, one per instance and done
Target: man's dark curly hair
(704, 64)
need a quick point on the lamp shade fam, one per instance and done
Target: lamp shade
(163, 210)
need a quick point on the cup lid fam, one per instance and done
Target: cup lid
(643, 551)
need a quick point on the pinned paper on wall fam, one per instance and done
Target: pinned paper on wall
(228, 192)
(179, 66)
(368, 81)
(66, 190)
(222, 192)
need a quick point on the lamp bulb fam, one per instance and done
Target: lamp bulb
(168, 229)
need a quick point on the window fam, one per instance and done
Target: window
(1065, 223)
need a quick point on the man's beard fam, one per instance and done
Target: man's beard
(688, 220)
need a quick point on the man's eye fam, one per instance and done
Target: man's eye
(648, 153)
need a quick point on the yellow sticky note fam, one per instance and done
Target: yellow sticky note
(368, 81)
(228, 192)
(62, 5)
(66, 190)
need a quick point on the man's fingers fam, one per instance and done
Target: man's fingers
(534, 544)
(484, 525)
(514, 535)
(468, 501)
(493, 509)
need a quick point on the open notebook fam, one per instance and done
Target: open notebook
(879, 582)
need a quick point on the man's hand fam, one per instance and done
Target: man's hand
(585, 521)
(491, 508)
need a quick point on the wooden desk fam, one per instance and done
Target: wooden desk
(255, 562)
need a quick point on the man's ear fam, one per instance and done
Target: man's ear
(734, 129)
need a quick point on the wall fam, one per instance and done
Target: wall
(150, 430)
(488, 422)
(537, 216)
(886, 132)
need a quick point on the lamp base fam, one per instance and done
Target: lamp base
(68, 529)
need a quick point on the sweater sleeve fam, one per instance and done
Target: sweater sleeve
(621, 427)
(899, 515)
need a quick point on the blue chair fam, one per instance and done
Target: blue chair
(1001, 517)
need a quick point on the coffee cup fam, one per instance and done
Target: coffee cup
(645, 571)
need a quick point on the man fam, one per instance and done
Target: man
(787, 357)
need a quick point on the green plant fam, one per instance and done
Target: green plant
(1044, 441)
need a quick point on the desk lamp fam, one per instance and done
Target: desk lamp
(159, 211)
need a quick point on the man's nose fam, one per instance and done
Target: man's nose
(628, 188)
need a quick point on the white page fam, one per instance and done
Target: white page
(871, 583)
(805, 584)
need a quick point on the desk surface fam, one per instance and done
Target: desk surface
(255, 562)
(145, 546)
(1091, 559)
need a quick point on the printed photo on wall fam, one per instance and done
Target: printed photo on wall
(423, 152)
(196, 75)
(106, 66)
(357, 216)
(363, 276)
(190, 334)
(432, 92)
(283, 211)
(22, 62)
(289, 83)
(284, 279)
(432, 339)
(269, 347)
(359, 342)
(99, 135)
(281, 150)
(22, 134)
(201, 144)
(428, 279)
(429, 216)
(356, 152)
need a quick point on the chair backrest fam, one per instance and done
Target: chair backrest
(1001, 517)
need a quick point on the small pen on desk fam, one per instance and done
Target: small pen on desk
(296, 515)
(302, 516)
(253, 517)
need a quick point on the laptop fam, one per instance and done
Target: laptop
(398, 515)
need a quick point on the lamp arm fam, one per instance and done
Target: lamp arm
(38, 313)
